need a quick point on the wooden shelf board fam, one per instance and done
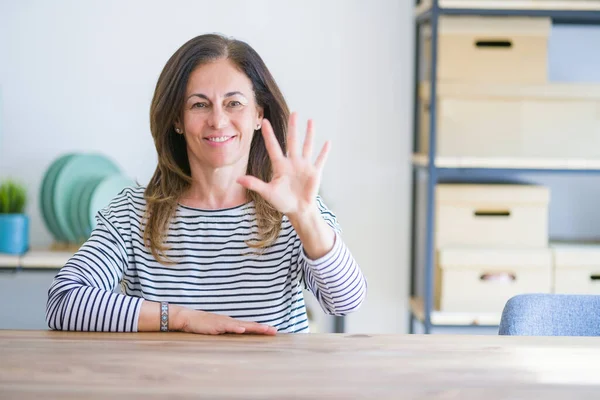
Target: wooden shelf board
(551, 91)
(558, 5)
(9, 261)
(509, 163)
(36, 258)
(453, 318)
(45, 259)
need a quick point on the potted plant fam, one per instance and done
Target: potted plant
(14, 224)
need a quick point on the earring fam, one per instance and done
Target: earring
(258, 127)
(177, 130)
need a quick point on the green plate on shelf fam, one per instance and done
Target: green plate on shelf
(46, 199)
(84, 206)
(77, 169)
(78, 202)
(105, 192)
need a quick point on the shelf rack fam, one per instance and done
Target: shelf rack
(428, 12)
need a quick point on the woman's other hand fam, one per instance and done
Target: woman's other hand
(194, 321)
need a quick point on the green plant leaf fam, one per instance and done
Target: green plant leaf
(13, 197)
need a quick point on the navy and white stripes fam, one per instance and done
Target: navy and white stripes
(215, 271)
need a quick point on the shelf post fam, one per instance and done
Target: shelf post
(432, 172)
(414, 171)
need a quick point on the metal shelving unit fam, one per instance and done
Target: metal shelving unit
(427, 12)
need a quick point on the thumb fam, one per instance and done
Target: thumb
(253, 183)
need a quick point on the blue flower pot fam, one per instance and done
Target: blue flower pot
(14, 233)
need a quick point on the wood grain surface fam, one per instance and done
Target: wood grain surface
(69, 365)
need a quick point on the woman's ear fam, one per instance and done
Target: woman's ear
(259, 118)
(177, 127)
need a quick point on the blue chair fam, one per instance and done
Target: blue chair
(551, 315)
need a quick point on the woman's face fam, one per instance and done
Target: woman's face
(220, 116)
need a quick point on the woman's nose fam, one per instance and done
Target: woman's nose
(218, 118)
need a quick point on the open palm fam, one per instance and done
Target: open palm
(296, 179)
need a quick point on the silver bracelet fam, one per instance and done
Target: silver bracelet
(164, 316)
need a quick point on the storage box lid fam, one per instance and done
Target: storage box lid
(489, 26)
(494, 258)
(500, 194)
(569, 255)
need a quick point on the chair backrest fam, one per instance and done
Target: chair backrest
(551, 315)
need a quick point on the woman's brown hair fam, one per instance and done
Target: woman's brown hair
(172, 175)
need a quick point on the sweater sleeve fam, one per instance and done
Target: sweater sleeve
(335, 279)
(82, 296)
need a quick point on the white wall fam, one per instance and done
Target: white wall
(79, 76)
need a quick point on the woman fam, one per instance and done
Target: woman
(229, 229)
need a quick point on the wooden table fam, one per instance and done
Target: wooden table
(41, 364)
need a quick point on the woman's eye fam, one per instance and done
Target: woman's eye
(199, 105)
(234, 103)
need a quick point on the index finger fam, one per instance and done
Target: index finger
(273, 147)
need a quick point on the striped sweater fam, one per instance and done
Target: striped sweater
(102, 286)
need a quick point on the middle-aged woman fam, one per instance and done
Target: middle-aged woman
(229, 230)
